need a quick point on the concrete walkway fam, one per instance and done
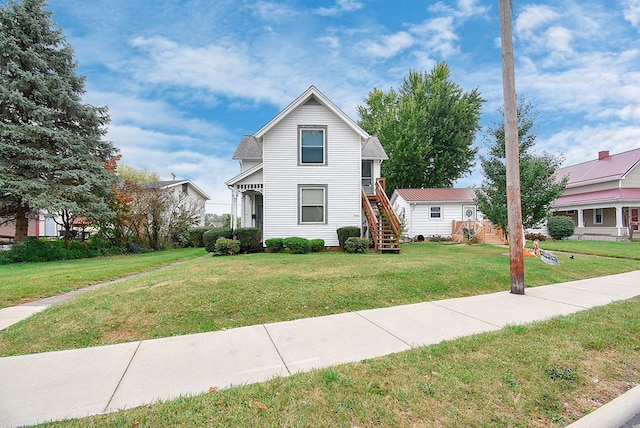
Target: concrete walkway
(81, 382)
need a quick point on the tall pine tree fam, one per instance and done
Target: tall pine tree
(52, 147)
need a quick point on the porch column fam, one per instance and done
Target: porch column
(234, 207)
(620, 220)
(580, 218)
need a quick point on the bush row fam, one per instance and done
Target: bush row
(294, 245)
(46, 250)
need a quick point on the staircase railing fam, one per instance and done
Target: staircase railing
(372, 221)
(385, 207)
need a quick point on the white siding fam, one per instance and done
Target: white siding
(248, 164)
(418, 219)
(282, 175)
(633, 178)
(591, 188)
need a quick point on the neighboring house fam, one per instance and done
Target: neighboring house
(442, 212)
(309, 171)
(430, 212)
(602, 196)
(187, 195)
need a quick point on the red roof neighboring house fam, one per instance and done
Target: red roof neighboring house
(606, 168)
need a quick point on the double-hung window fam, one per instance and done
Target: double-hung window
(313, 204)
(435, 212)
(312, 145)
(597, 216)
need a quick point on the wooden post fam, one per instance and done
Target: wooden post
(514, 208)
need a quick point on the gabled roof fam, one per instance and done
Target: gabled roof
(249, 149)
(437, 195)
(373, 149)
(173, 183)
(609, 168)
(315, 94)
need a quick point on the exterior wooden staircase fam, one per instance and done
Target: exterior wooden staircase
(382, 222)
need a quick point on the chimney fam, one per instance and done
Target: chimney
(603, 154)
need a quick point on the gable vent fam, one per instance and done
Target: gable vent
(312, 102)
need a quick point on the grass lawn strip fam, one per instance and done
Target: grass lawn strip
(544, 374)
(210, 294)
(25, 282)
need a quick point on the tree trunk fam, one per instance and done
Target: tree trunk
(22, 223)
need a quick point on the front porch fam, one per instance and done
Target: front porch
(601, 222)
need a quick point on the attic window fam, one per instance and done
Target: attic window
(312, 145)
(185, 188)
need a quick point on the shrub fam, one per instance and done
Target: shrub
(534, 236)
(439, 238)
(211, 236)
(46, 250)
(347, 232)
(297, 245)
(226, 247)
(560, 227)
(196, 235)
(274, 245)
(250, 239)
(356, 245)
(317, 245)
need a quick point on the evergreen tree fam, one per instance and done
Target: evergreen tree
(52, 147)
(427, 129)
(538, 185)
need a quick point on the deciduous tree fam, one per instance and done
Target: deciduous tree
(427, 129)
(538, 184)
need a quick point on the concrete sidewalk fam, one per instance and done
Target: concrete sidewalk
(77, 383)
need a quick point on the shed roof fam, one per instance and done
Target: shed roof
(438, 195)
(609, 168)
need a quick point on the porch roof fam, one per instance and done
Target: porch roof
(235, 180)
(610, 195)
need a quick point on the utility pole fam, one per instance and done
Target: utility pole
(514, 208)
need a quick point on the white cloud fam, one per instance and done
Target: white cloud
(339, 7)
(388, 46)
(632, 12)
(271, 11)
(437, 35)
(535, 16)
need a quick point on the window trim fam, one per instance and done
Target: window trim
(325, 211)
(431, 212)
(322, 128)
(595, 216)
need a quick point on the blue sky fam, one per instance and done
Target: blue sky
(184, 80)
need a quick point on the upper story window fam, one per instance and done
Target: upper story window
(185, 188)
(312, 142)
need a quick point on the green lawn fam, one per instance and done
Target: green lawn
(208, 294)
(24, 282)
(542, 374)
(545, 374)
(624, 250)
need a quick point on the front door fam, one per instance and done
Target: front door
(634, 218)
(367, 177)
(258, 214)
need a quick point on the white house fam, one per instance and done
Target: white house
(602, 195)
(307, 172)
(430, 212)
(186, 194)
